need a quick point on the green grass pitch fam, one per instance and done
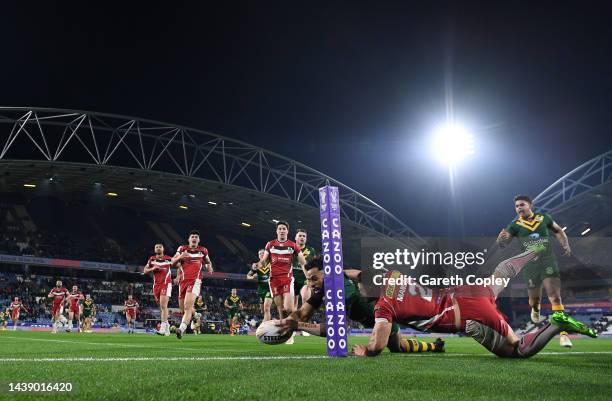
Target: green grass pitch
(147, 367)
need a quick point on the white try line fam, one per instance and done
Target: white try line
(260, 358)
(118, 344)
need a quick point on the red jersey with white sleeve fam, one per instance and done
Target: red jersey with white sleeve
(433, 309)
(162, 274)
(281, 255)
(281, 273)
(73, 299)
(130, 307)
(192, 265)
(58, 295)
(15, 309)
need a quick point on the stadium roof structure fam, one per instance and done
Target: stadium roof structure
(172, 169)
(582, 198)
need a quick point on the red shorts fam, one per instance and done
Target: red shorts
(478, 303)
(281, 285)
(56, 309)
(15, 314)
(162, 290)
(130, 314)
(192, 286)
(75, 309)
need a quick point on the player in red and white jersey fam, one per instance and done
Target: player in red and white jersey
(190, 259)
(159, 264)
(74, 308)
(131, 308)
(467, 308)
(15, 308)
(59, 295)
(281, 252)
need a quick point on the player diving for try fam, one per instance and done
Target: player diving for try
(262, 275)
(534, 228)
(190, 259)
(159, 264)
(469, 308)
(358, 308)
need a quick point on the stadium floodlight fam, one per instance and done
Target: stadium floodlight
(564, 228)
(112, 194)
(184, 207)
(585, 232)
(452, 143)
(212, 203)
(29, 185)
(243, 224)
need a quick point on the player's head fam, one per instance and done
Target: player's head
(75, 288)
(16, 299)
(87, 296)
(199, 297)
(301, 236)
(58, 284)
(282, 229)
(314, 273)
(233, 291)
(194, 238)
(260, 253)
(130, 297)
(522, 205)
(159, 249)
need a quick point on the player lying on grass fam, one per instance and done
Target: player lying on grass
(359, 309)
(469, 308)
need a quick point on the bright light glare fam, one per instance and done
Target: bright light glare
(585, 232)
(452, 143)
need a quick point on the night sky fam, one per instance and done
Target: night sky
(353, 90)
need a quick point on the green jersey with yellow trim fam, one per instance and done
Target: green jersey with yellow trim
(532, 230)
(233, 302)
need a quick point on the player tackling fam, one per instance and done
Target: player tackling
(470, 309)
(189, 259)
(159, 264)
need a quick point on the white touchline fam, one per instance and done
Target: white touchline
(171, 358)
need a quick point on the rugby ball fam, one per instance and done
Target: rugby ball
(269, 333)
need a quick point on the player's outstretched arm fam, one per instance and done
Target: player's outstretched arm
(504, 238)
(263, 259)
(378, 340)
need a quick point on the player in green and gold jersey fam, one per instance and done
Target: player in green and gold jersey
(534, 228)
(199, 307)
(358, 308)
(300, 289)
(233, 305)
(89, 313)
(2, 320)
(262, 275)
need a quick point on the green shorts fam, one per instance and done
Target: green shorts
(299, 280)
(233, 312)
(535, 272)
(86, 313)
(263, 292)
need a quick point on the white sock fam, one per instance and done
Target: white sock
(183, 327)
